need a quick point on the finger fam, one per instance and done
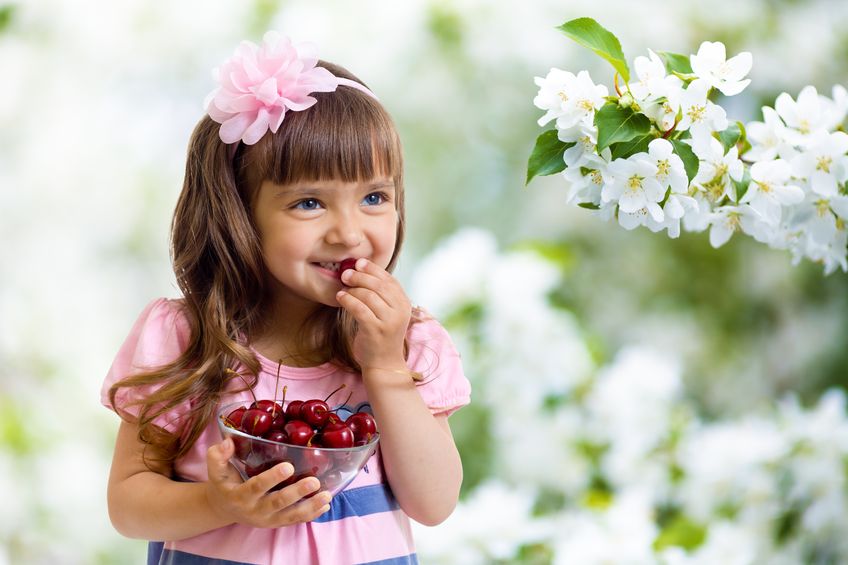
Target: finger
(352, 277)
(218, 462)
(358, 309)
(288, 496)
(306, 509)
(260, 484)
(376, 303)
(363, 265)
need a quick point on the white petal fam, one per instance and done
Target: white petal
(789, 194)
(720, 234)
(632, 201)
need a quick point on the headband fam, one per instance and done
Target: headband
(257, 85)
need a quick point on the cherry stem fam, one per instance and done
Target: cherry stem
(617, 88)
(334, 392)
(283, 401)
(239, 375)
(336, 409)
(276, 385)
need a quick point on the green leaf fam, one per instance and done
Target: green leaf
(690, 160)
(681, 532)
(675, 62)
(626, 149)
(589, 205)
(589, 33)
(741, 186)
(616, 124)
(732, 135)
(546, 158)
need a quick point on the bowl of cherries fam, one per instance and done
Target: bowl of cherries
(306, 433)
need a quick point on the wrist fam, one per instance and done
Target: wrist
(389, 374)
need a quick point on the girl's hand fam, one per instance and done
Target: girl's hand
(250, 502)
(379, 304)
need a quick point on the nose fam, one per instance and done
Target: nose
(345, 230)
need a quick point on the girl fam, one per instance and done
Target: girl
(296, 168)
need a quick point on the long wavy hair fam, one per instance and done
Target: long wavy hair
(215, 250)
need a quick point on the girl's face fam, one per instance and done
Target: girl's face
(307, 228)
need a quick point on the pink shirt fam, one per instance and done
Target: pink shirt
(365, 524)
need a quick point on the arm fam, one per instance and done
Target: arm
(421, 460)
(147, 504)
(419, 454)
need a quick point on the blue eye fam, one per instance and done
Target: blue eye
(374, 199)
(308, 204)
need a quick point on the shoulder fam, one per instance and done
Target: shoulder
(432, 354)
(159, 335)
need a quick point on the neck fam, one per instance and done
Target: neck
(282, 337)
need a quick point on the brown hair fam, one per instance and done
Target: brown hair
(347, 135)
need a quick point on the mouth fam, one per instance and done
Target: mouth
(330, 266)
(335, 268)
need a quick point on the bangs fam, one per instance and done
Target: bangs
(346, 135)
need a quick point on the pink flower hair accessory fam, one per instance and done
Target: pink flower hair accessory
(259, 84)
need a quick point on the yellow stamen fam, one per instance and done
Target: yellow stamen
(764, 187)
(597, 178)
(696, 113)
(663, 168)
(563, 96)
(823, 163)
(586, 105)
(634, 183)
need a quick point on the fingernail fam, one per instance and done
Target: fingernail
(313, 485)
(286, 469)
(361, 262)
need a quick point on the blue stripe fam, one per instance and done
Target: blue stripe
(411, 559)
(154, 552)
(360, 501)
(158, 555)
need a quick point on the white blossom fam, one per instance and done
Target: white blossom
(634, 186)
(567, 98)
(698, 112)
(711, 65)
(768, 138)
(770, 189)
(823, 162)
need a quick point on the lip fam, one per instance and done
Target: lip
(336, 275)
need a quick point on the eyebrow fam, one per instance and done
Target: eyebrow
(312, 191)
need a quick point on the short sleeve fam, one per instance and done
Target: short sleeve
(158, 337)
(444, 387)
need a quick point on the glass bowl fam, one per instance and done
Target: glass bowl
(334, 468)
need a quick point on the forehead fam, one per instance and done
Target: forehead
(331, 186)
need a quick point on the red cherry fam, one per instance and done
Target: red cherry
(234, 418)
(299, 432)
(243, 446)
(363, 426)
(269, 406)
(315, 412)
(315, 461)
(293, 410)
(256, 422)
(345, 265)
(279, 422)
(333, 418)
(337, 436)
(277, 435)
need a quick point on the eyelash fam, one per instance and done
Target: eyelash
(383, 199)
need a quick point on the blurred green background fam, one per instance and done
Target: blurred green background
(96, 106)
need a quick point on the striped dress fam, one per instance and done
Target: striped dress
(365, 524)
